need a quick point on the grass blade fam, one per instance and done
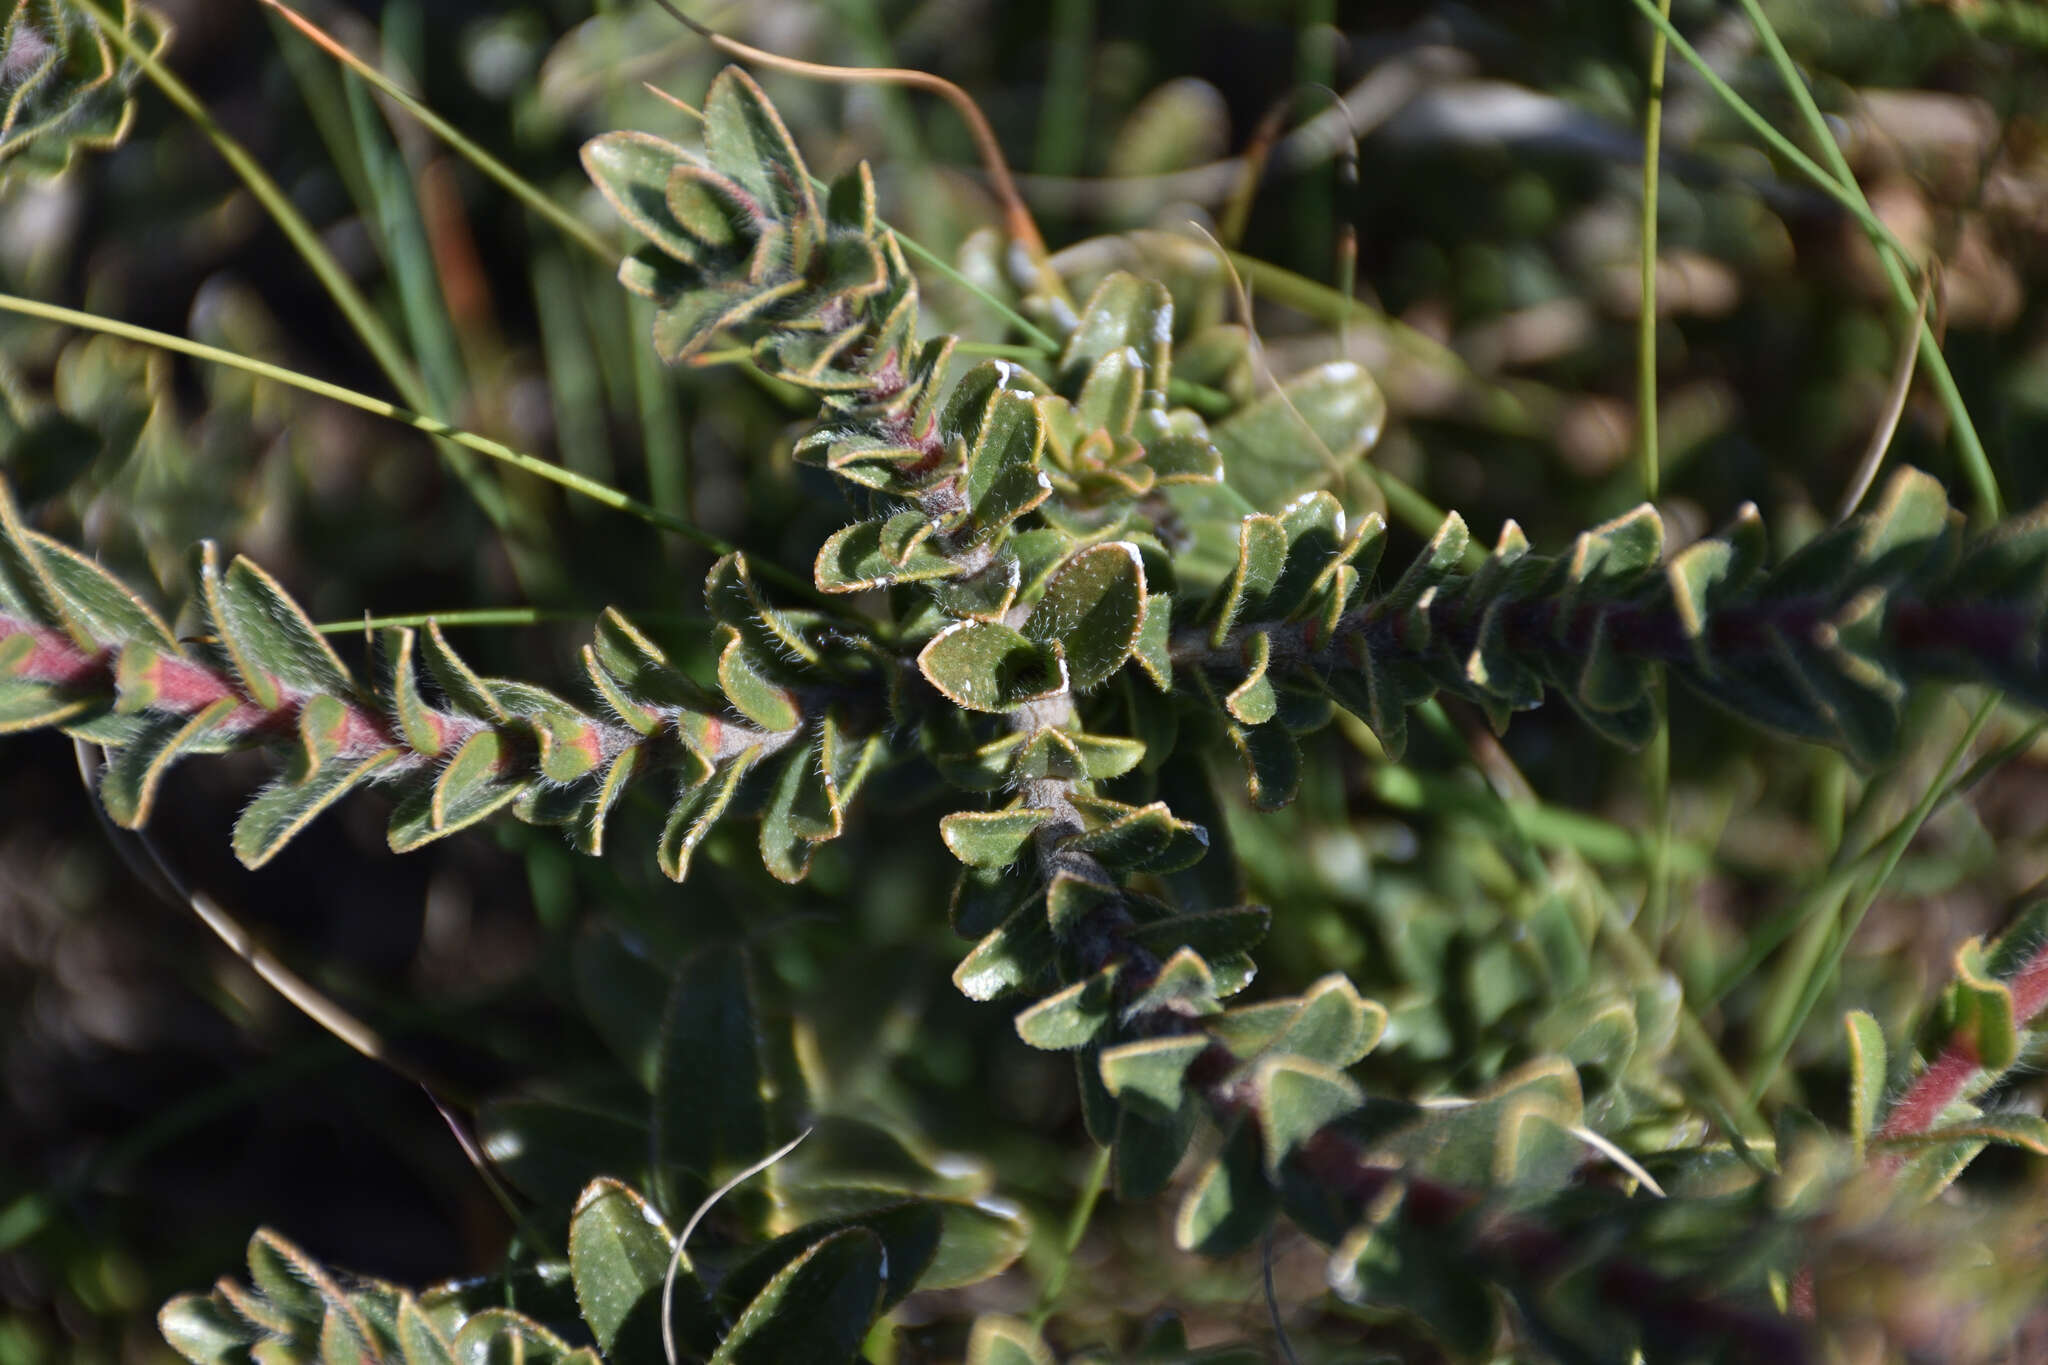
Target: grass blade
(517, 185)
(432, 426)
(375, 336)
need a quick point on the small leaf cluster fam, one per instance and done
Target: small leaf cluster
(810, 1295)
(858, 1219)
(66, 86)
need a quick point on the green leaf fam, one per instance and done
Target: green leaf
(1367, 690)
(1304, 437)
(1212, 933)
(26, 705)
(881, 554)
(1111, 394)
(978, 1240)
(1315, 548)
(983, 898)
(1181, 124)
(1866, 1077)
(619, 1252)
(423, 730)
(1071, 1017)
(499, 1336)
(1437, 563)
(292, 1281)
(631, 170)
(1230, 1202)
(69, 89)
(1149, 1147)
(689, 323)
(986, 595)
(1384, 1263)
(551, 1149)
(2026, 1131)
(475, 785)
(1253, 701)
(1003, 480)
(984, 666)
(709, 1116)
(1488, 1141)
(1072, 894)
(990, 838)
(1093, 608)
(1155, 636)
(1261, 554)
(128, 784)
(908, 1229)
(1272, 763)
(734, 599)
(1150, 1073)
(1184, 985)
(1124, 311)
(1000, 1340)
(1982, 1007)
(747, 141)
(420, 1342)
(286, 806)
(1008, 959)
(709, 207)
(622, 992)
(270, 640)
(699, 806)
(1104, 757)
(766, 703)
(1141, 838)
(1295, 1099)
(640, 667)
(594, 807)
(1329, 1023)
(817, 1308)
(801, 814)
(1048, 752)
(205, 1331)
(465, 691)
(100, 603)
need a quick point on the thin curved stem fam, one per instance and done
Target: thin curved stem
(1894, 409)
(1017, 216)
(675, 1259)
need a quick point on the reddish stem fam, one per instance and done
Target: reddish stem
(1934, 1089)
(180, 686)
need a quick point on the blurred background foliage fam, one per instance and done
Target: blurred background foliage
(159, 1102)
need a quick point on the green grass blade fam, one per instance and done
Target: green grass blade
(1657, 896)
(375, 336)
(1816, 977)
(432, 426)
(395, 208)
(1891, 252)
(1063, 106)
(574, 384)
(517, 185)
(320, 87)
(1893, 257)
